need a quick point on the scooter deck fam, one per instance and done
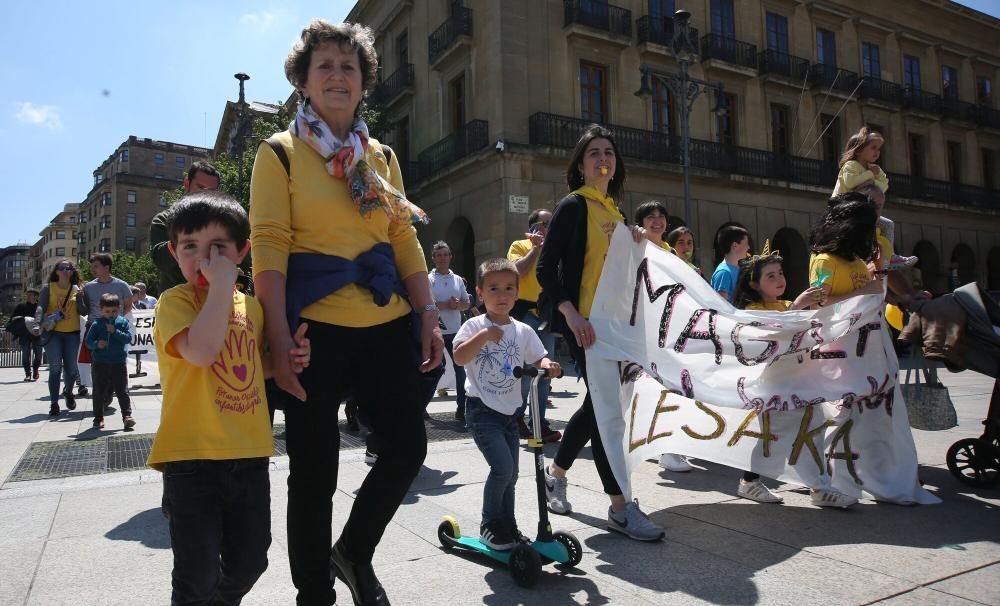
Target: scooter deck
(554, 550)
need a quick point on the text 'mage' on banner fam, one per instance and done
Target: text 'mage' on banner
(805, 397)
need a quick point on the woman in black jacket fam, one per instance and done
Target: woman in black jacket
(568, 269)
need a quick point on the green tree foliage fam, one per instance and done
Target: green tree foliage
(131, 268)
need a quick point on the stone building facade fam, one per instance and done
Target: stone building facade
(128, 192)
(487, 98)
(59, 240)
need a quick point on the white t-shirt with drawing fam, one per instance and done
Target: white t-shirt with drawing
(490, 375)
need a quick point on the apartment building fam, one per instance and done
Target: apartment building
(486, 100)
(128, 192)
(13, 267)
(59, 239)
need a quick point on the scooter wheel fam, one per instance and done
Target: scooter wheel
(572, 545)
(525, 565)
(448, 532)
(974, 462)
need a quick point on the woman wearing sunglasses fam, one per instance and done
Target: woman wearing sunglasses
(60, 319)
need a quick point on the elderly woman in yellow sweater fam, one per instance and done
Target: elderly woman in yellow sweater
(333, 243)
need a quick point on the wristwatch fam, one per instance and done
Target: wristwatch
(429, 307)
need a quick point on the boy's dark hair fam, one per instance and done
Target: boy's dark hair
(203, 167)
(847, 228)
(574, 178)
(104, 259)
(495, 266)
(727, 236)
(199, 209)
(110, 299)
(646, 208)
(676, 234)
(750, 271)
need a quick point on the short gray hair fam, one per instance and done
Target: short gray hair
(320, 31)
(439, 245)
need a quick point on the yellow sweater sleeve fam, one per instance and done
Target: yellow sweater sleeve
(403, 238)
(270, 213)
(852, 175)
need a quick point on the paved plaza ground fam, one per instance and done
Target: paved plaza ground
(100, 538)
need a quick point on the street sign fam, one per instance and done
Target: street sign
(519, 204)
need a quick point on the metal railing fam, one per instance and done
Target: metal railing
(882, 90)
(459, 23)
(391, 87)
(782, 64)
(989, 117)
(724, 48)
(960, 110)
(471, 137)
(832, 77)
(599, 15)
(563, 132)
(921, 100)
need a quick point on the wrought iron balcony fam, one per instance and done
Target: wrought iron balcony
(411, 174)
(881, 90)
(607, 17)
(920, 100)
(989, 117)
(658, 31)
(959, 110)
(393, 86)
(471, 137)
(831, 77)
(459, 23)
(731, 50)
(782, 64)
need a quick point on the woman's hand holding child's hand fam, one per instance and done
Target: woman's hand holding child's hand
(300, 354)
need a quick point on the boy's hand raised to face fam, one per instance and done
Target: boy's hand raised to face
(494, 333)
(218, 269)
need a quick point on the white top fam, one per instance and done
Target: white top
(444, 287)
(490, 375)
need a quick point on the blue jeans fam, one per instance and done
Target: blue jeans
(544, 385)
(496, 436)
(62, 351)
(219, 513)
(449, 345)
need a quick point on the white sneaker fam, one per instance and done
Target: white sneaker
(370, 457)
(831, 498)
(555, 494)
(672, 462)
(634, 524)
(756, 491)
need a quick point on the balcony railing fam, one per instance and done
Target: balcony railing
(920, 100)
(731, 50)
(782, 64)
(562, 131)
(959, 110)
(599, 15)
(391, 87)
(832, 77)
(459, 23)
(989, 117)
(471, 137)
(411, 173)
(881, 90)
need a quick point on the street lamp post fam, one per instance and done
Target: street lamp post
(241, 107)
(685, 90)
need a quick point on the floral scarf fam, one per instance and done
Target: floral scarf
(346, 160)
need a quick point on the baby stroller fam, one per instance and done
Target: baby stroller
(961, 330)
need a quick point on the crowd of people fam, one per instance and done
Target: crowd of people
(345, 308)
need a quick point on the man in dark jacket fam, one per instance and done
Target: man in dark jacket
(28, 334)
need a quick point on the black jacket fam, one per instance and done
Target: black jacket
(560, 264)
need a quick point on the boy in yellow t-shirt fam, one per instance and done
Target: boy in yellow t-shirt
(214, 438)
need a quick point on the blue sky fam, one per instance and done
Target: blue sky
(80, 77)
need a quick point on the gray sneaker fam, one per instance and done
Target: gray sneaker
(555, 494)
(634, 524)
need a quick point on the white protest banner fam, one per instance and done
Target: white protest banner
(143, 321)
(804, 397)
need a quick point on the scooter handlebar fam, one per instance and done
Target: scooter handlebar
(532, 371)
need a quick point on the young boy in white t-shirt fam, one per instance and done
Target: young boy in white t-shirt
(489, 346)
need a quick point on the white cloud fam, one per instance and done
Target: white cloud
(46, 116)
(261, 20)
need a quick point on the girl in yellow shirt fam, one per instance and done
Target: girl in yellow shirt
(60, 319)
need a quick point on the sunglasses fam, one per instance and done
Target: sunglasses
(64, 268)
(541, 223)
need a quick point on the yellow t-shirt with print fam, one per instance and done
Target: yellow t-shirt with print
(600, 225)
(843, 276)
(218, 412)
(71, 323)
(528, 287)
(779, 305)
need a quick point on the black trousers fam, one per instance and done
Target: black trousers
(110, 379)
(582, 428)
(31, 353)
(376, 364)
